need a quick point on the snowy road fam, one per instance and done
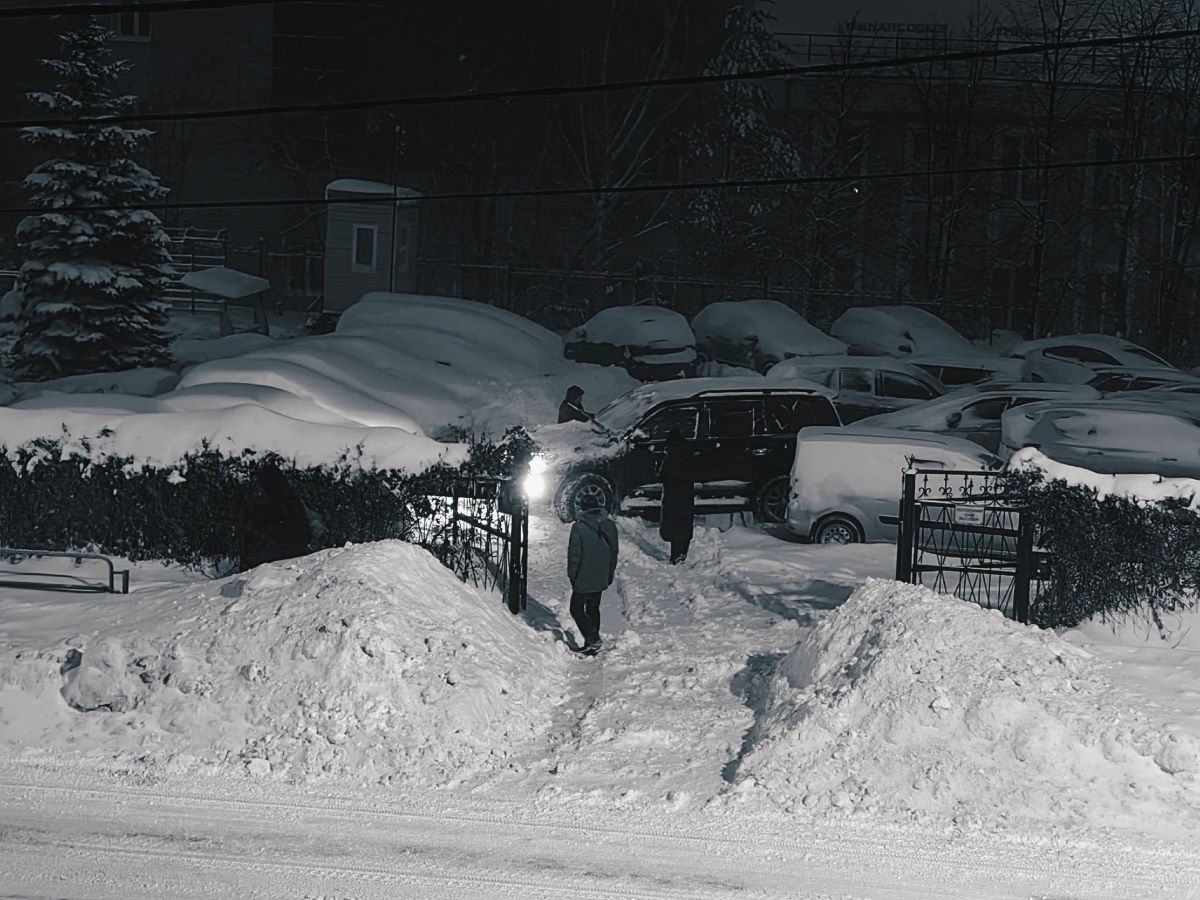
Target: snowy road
(73, 835)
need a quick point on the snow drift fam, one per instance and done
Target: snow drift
(908, 702)
(370, 661)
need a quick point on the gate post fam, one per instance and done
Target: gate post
(905, 537)
(518, 536)
(1024, 570)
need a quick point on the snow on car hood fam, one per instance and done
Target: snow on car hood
(637, 326)
(777, 330)
(905, 701)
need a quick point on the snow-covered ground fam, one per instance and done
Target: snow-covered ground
(357, 723)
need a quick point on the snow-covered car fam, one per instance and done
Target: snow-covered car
(900, 331)
(1112, 437)
(650, 342)
(956, 371)
(756, 334)
(742, 431)
(1078, 357)
(974, 413)
(846, 482)
(863, 385)
(1122, 379)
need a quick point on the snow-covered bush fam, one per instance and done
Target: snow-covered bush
(1110, 555)
(188, 512)
(92, 278)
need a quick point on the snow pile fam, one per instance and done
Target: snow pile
(370, 661)
(908, 702)
(190, 351)
(776, 330)
(1143, 488)
(139, 382)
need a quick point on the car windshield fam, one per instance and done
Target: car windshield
(622, 413)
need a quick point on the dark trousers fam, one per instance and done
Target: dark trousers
(585, 610)
(679, 549)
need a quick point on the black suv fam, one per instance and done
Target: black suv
(743, 437)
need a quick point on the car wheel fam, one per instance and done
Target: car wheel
(575, 488)
(837, 529)
(770, 505)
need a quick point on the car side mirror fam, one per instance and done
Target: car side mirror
(905, 348)
(953, 420)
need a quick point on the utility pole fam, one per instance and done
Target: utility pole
(395, 205)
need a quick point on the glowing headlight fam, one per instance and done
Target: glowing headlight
(534, 483)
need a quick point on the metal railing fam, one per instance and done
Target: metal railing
(114, 574)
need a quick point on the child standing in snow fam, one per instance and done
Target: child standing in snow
(591, 565)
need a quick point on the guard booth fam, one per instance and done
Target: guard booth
(370, 245)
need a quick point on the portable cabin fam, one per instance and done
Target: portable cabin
(369, 245)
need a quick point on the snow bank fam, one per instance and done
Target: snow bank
(164, 438)
(370, 661)
(908, 702)
(1143, 488)
(140, 382)
(189, 351)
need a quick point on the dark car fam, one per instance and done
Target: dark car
(742, 432)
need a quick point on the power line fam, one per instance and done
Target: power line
(682, 186)
(103, 9)
(603, 87)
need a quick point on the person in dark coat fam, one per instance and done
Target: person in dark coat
(591, 565)
(678, 475)
(274, 524)
(571, 409)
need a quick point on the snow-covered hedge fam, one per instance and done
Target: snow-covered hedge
(58, 497)
(1110, 554)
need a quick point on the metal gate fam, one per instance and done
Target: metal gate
(480, 531)
(964, 533)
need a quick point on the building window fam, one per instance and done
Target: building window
(131, 26)
(364, 251)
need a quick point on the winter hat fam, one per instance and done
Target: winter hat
(574, 392)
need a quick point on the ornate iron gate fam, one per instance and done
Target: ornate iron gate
(964, 533)
(480, 531)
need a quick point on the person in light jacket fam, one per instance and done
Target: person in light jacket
(591, 565)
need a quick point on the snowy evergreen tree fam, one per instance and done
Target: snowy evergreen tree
(739, 141)
(91, 280)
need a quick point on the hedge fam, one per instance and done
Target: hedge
(1111, 555)
(187, 512)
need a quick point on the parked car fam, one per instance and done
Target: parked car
(974, 413)
(863, 385)
(847, 481)
(1122, 379)
(1112, 437)
(956, 371)
(743, 432)
(900, 331)
(649, 341)
(1078, 357)
(756, 334)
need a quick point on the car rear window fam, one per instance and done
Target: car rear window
(730, 420)
(787, 415)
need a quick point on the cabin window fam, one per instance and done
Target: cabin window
(364, 251)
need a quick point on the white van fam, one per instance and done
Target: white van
(846, 481)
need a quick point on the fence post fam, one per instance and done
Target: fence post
(508, 293)
(1025, 566)
(516, 552)
(905, 538)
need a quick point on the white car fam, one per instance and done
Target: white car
(756, 334)
(1112, 437)
(652, 343)
(900, 331)
(975, 413)
(846, 482)
(863, 385)
(1077, 358)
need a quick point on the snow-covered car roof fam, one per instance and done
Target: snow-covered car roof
(860, 434)
(794, 367)
(1141, 357)
(635, 326)
(982, 360)
(621, 414)
(891, 329)
(777, 329)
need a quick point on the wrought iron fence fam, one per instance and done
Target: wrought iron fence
(965, 533)
(479, 530)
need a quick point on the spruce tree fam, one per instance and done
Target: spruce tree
(91, 280)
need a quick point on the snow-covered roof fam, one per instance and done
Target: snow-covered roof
(777, 329)
(228, 283)
(374, 188)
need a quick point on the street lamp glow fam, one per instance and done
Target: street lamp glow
(533, 485)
